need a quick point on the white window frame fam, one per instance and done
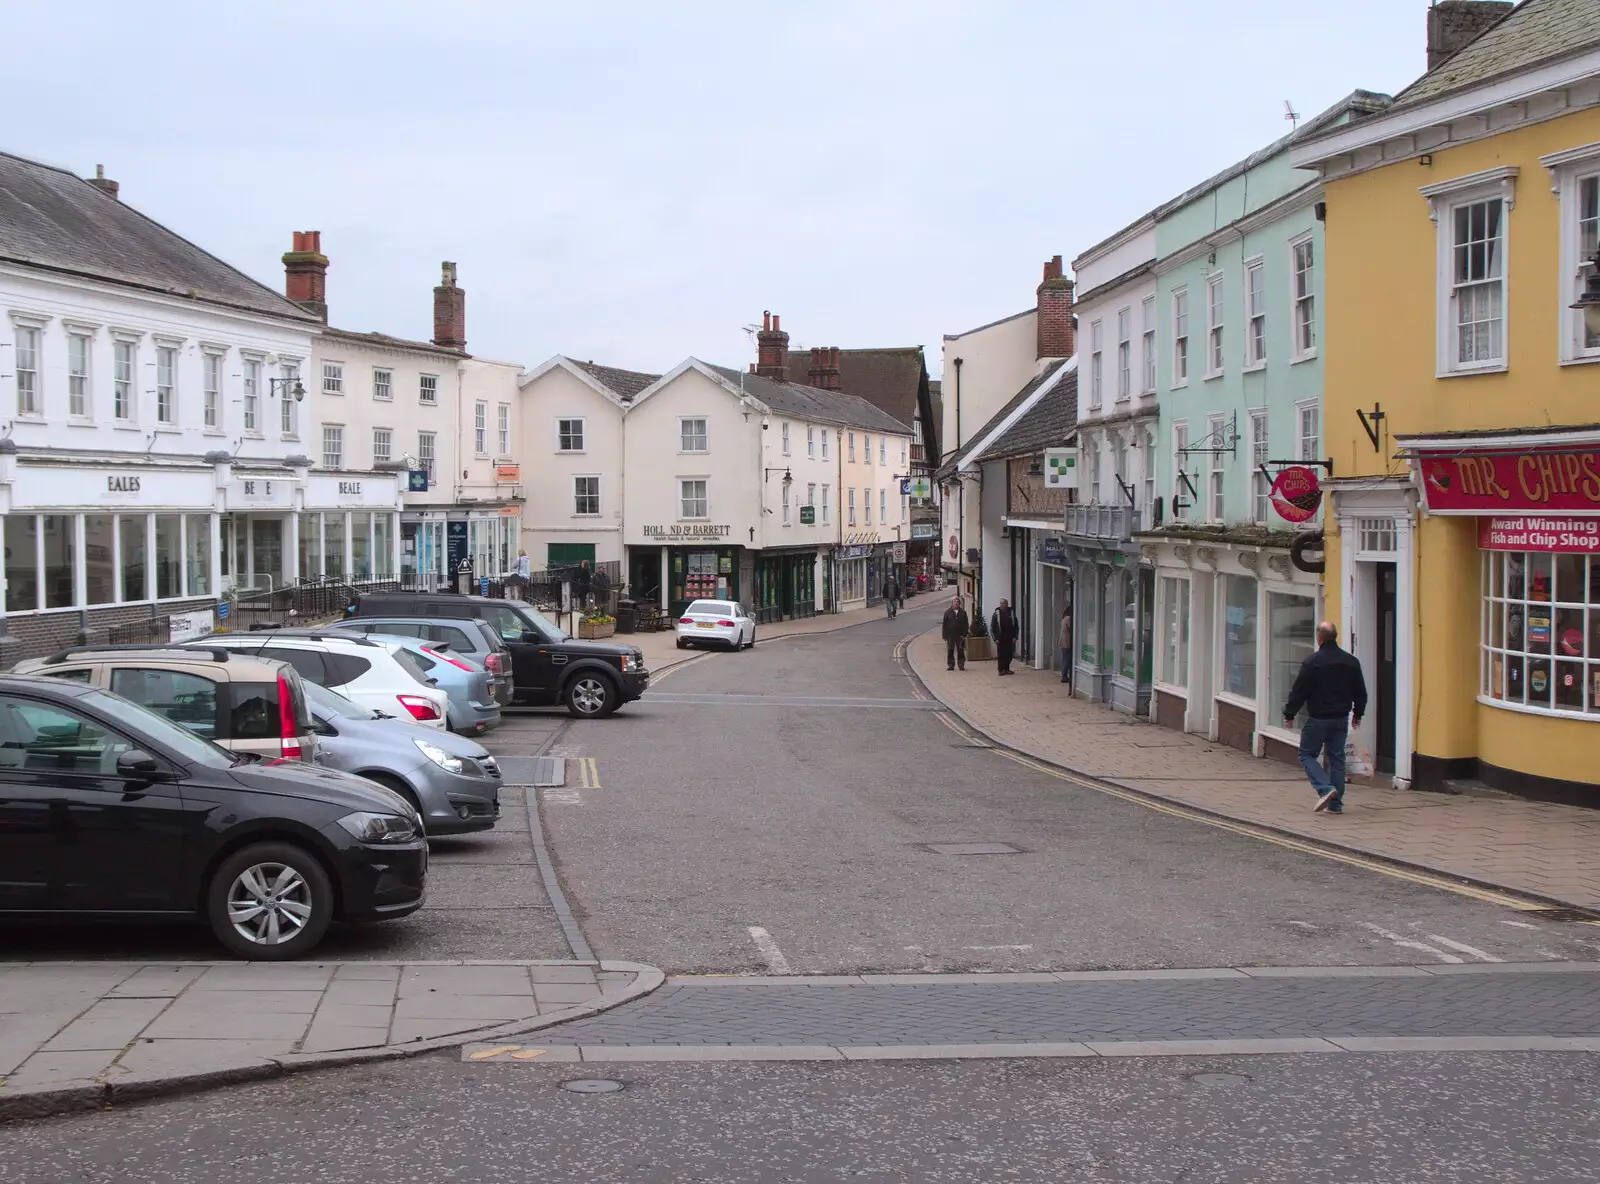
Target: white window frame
(1444, 199)
(333, 378)
(1303, 303)
(1569, 171)
(171, 353)
(825, 434)
(578, 494)
(783, 432)
(686, 437)
(1097, 336)
(211, 384)
(1147, 360)
(1217, 476)
(480, 428)
(31, 330)
(428, 455)
(1180, 441)
(383, 384)
(1255, 313)
(866, 449)
(1216, 325)
(826, 520)
(502, 424)
(1308, 445)
(333, 435)
(254, 368)
(883, 506)
(852, 448)
(1260, 453)
(288, 413)
(811, 440)
(1124, 354)
(80, 383)
(883, 451)
(851, 520)
(686, 497)
(1182, 355)
(564, 433)
(811, 495)
(385, 436)
(786, 500)
(1147, 465)
(428, 390)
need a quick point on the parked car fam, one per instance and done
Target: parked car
(464, 635)
(472, 708)
(112, 810)
(593, 678)
(722, 623)
(246, 704)
(453, 782)
(380, 675)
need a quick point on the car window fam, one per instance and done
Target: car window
(399, 628)
(422, 660)
(81, 674)
(710, 608)
(331, 704)
(509, 624)
(410, 663)
(44, 738)
(343, 669)
(307, 662)
(456, 638)
(253, 711)
(141, 722)
(186, 699)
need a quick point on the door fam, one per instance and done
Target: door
(1387, 581)
(535, 662)
(559, 555)
(118, 843)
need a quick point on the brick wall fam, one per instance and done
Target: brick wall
(35, 635)
(1170, 710)
(1026, 494)
(1236, 727)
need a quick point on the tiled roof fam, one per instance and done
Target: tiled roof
(889, 379)
(1533, 32)
(818, 406)
(969, 451)
(50, 218)
(1049, 423)
(385, 341)
(626, 383)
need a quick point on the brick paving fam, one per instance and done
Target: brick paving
(1563, 1001)
(1546, 850)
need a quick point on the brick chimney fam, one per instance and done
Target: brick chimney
(449, 310)
(830, 369)
(772, 349)
(104, 184)
(1453, 24)
(305, 273)
(1055, 320)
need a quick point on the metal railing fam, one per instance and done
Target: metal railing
(1102, 523)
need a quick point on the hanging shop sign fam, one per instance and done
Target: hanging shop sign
(1061, 468)
(1535, 532)
(1297, 493)
(808, 515)
(955, 547)
(1053, 550)
(919, 488)
(416, 480)
(681, 531)
(1538, 480)
(508, 474)
(924, 530)
(855, 552)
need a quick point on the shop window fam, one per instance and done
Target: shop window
(59, 531)
(100, 558)
(197, 553)
(1541, 631)
(383, 546)
(22, 563)
(1293, 621)
(169, 556)
(310, 546)
(135, 530)
(361, 546)
(1239, 638)
(1175, 641)
(333, 544)
(1128, 649)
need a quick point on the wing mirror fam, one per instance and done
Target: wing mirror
(137, 764)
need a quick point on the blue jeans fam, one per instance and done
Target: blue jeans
(1066, 663)
(1319, 734)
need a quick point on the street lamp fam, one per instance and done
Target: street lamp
(291, 386)
(788, 479)
(1589, 303)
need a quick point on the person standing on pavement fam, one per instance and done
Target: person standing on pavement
(954, 629)
(1065, 640)
(600, 587)
(1003, 628)
(891, 595)
(1332, 690)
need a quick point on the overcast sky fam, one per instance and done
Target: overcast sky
(634, 182)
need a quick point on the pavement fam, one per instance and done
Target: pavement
(1543, 850)
(74, 1035)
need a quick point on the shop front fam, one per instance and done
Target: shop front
(854, 566)
(1506, 605)
(346, 528)
(786, 585)
(1114, 605)
(1053, 594)
(675, 574)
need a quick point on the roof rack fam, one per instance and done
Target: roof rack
(216, 653)
(313, 634)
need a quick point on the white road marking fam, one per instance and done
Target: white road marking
(1519, 924)
(1462, 947)
(563, 797)
(1304, 925)
(1407, 944)
(998, 947)
(770, 953)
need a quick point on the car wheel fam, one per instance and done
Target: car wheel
(269, 902)
(752, 642)
(682, 644)
(589, 696)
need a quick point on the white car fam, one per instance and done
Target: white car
(370, 671)
(716, 622)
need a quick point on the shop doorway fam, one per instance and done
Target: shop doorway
(644, 575)
(1386, 578)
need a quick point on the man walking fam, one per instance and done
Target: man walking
(1003, 628)
(1333, 692)
(891, 595)
(954, 628)
(1065, 641)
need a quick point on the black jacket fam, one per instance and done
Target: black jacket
(955, 624)
(1330, 686)
(1003, 625)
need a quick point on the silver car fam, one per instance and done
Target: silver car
(453, 782)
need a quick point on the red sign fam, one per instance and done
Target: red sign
(1536, 481)
(1297, 494)
(508, 474)
(1570, 536)
(955, 547)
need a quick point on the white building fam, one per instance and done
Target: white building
(153, 457)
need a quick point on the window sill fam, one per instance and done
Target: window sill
(214, 432)
(335, 394)
(1581, 360)
(78, 421)
(1470, 371)
(694, 452)
(254, 436)
(1591, 717)
(1181, 385)
(291, 437)
(588, 517)
(1254, 368)
(1234, 700)
(1276, 731)
(571, 452)
(1309, 356)
(1167, 688)
(383, 398)
(125, 426)
(168, 430)
(1213, 376)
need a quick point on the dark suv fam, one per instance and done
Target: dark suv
(108, 809)
(593, 678)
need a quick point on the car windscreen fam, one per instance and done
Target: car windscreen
(142, 722)
(710, 608)
(331, 704)
(521, 624)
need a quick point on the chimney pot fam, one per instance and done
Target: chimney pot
(305, 271)
(1455, 24)
(772, 349)
(449, 310)
(1055, 328)
(103, 184)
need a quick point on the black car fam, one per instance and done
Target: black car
(108, 809)
(593, 678)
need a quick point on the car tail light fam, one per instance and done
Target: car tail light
(443, 657)
(288, 737)
(726, 624)
(494, 664)
(420, 708)
(686, 620)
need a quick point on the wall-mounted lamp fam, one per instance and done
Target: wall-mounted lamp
(291, 386)
(788, 478)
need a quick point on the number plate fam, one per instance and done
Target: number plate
(704, 625)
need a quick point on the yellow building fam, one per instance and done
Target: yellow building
(1462, 409)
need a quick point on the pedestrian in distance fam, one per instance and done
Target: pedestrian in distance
(1333, 692)
(1065, 640)
(600, 588)
(1003, 628)
(954, 629)
(891, 596)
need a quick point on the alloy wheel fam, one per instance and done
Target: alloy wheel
(589, 696)
(269, 903)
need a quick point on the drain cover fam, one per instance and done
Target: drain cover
(550, 770)
(973, 848)
(592, 1085)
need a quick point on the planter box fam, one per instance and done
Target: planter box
(980, 649)
(589, 632)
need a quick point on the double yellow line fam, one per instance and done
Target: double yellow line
(1487, 895)
(588, 773)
